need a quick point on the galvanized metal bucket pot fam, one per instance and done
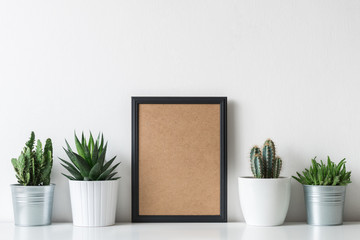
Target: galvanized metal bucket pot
(324, 204)
(32, 204)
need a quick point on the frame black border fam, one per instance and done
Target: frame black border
(135, 159)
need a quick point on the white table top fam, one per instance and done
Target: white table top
(188, 231)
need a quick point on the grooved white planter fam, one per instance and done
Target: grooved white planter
(93, 203)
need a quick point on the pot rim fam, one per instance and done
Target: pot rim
(93, 181)
(267, 179)
(40, 186)
(323, 186)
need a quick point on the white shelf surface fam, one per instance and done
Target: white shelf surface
(188, 231)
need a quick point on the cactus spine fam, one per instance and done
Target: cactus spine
(265, 164)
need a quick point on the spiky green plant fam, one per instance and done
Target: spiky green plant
(89, 163)
(33, 166)
(265, 164)
(320, 174)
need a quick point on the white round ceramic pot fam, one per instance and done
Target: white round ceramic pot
(264, 201)
(93, 203)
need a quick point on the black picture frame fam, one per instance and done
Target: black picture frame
(136, 101)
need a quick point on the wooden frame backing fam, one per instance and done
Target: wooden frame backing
(179, 161)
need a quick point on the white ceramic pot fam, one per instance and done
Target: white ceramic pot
(264, 201)
(93, 203)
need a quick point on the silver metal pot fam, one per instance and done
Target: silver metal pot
(324, 204)
(32, 204)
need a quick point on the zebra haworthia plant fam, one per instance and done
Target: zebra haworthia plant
(265, 164)
(89, 163)
(33, 166)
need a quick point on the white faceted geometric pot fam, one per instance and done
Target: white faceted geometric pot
(264, 201)
(93, 203)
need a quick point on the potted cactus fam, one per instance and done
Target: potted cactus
(92, 181)
(324, 191)
(265, 197)
(33, 196)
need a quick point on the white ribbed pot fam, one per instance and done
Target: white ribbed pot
(264, 201)
(93, 203)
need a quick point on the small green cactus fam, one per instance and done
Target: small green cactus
(257, 166)
(265, 164)
(33, 166)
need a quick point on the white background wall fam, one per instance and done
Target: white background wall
(290, 69)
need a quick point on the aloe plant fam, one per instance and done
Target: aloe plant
(320, 174)
(33, 166)
(265, 164)
(88, 163)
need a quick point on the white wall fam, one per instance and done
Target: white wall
(290, 69)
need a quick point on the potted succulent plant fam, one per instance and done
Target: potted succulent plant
(324, 191)
(33, 196)
(92, 181)
(265, 197)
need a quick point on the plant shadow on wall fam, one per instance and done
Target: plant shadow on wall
(324, 191)
(33, 196)
(266, 184)
(93, 182)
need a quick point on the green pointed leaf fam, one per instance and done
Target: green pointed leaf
(95, 172)
(69, 177)
(115, 178)
(108, 164)
(27, 179)
(88, 156)
(68, 146)
(48, 146)
(91, 144)
(101, 144)
(79, 147)
(79, 162)
(83, 140)
(14, 163)
(21, 163)
(336, 181)
(31, 142)
(77, 175)
(95, 154)
(104, 175)
(83, 164)
(110, 176)
(101, 158)
(98, 139)
(297, 179)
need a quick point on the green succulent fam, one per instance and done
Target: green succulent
(89, 163)
(265, 164)
(321, 174)
(33, 166)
